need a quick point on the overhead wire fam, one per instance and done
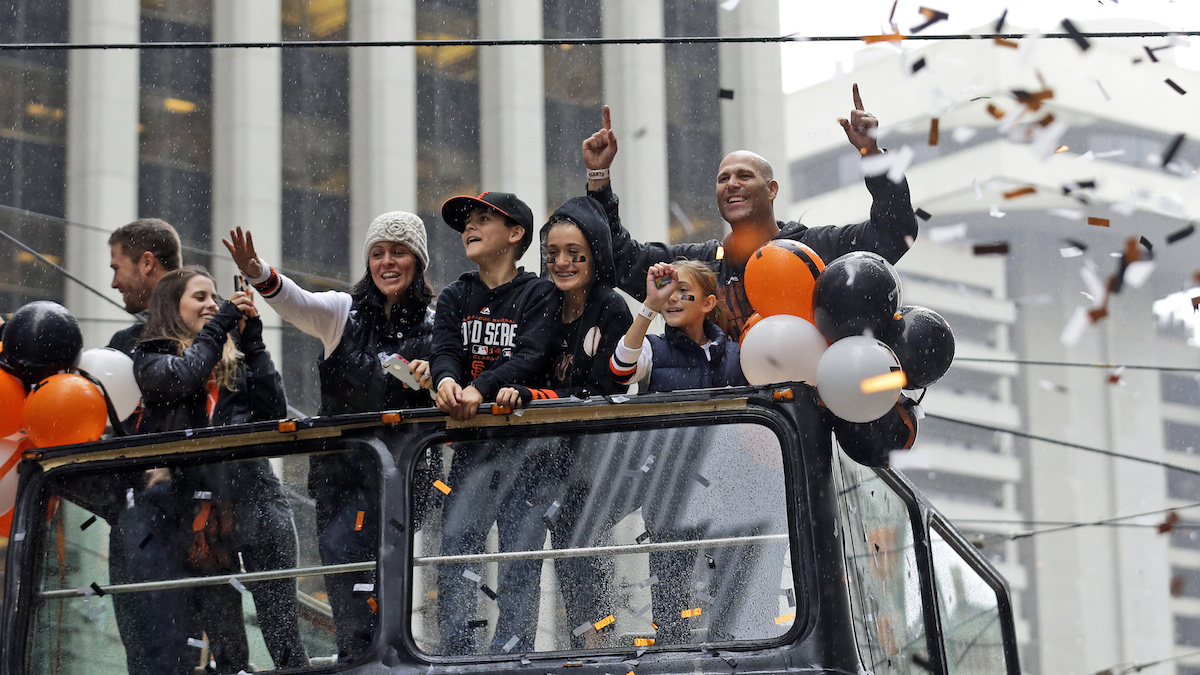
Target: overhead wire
(484, 42)
(1114, 521)
(1073, 364)
(1138, 666)
(1068, 444)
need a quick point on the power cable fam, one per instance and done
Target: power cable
(1069, 364)
(1137, 666)
(46, 261)
(478, 42)
(1116, 520)
(1068, 444)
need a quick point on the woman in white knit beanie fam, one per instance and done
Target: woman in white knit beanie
(387, 312)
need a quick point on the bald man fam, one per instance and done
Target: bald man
(746, 191)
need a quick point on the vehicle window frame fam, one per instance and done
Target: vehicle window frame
(997, 583)
(801, 535)
(34, 499)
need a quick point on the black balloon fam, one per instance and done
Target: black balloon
(871, 443)
(923, 342)
(41, 339)
(858, 292)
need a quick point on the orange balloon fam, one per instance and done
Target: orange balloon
(65, 409)
(12, 401)
(780, 278)
(754, 318)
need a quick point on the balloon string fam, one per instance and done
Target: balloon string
(1068, 444)
(46, 261)
(118, 428)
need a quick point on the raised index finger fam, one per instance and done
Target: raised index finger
(857, 99)
(607, 119)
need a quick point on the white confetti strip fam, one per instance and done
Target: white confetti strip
(367, 588)
(512, 642)
(241, 588)
(472, 576)
(1073, 331)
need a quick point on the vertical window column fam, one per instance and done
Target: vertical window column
(753, 120)
(247, 133)
(383, 127)
(635, 87)
(512, 129)
(102, 150)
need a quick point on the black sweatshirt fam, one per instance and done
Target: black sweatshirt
(890, 232)
(490, 337)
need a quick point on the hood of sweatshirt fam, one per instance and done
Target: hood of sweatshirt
(589, 216)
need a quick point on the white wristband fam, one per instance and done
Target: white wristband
(598, 174)
(647, 312)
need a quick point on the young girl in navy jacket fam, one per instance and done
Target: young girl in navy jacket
(694, 352)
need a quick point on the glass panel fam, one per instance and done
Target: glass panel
(885, 587)
(970, 613)
(200, 524)
(680, 559)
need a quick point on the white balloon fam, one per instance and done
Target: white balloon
(115, 370)
(782, 348)
(842, 370)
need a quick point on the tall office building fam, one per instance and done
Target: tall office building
(305, 146)
(1087, 598)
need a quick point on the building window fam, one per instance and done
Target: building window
(574, 85)
(1180, 437)
(1181, 389)
(1187, 631)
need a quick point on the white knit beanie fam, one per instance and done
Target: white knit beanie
(401, 227)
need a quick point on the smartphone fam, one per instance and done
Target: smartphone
(240, 284)
(398, 366)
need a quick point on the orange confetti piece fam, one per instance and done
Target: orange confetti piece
(442, 486)
(1169, 524)
(689, 613)
(1096, 314)
(1034, 100)
(885, 382)
(358, 521)
(1001, 42)
(994, 111)
(643, 642)
(1027, 190)
(1098, 222)
(1046, 120)
(886, 37)
(933, 131)
(1196, 303)
(790, 616)
(606, 621)
(372, 604)
(654, 625)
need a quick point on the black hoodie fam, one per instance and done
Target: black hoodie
(490, 337)
(580, 349)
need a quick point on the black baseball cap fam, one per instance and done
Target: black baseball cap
(456, 210)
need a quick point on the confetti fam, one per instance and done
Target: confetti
(654, 625)
(647, 464)
(689, 613)
(512, 642)
(1181, 234)
(1069, 214)
(488, 591)
(495, 484)
(886, 37)
(201, 494)
(887, 381)
(472, 576)
(477, 623)
(550, 512)
(917, 65)
(933, 128)
(582, 628)
(648, 582)
(358, 521)
(730, 5)
(363, 588)
(963, 134)
(606, 621)
(1070, 252)
(941, 235)
(790, 616)
(932, 16)
(1169, 153)
(1000, 22)
(704, 597)
(643, 642)
(396, 524)
(995, 211)
(994, 111)
(712, 563)
(1095, 315)
(1176, 87)
(87, 523)
(922, 214)
(642, 612)
(199, 644)
(1075, 35)
(701, 480)
(726, 94)
(1020, 192)
(791, 597)
(442, 486)
(1177, 585)
(96, 587)
(1196, 303)
(1098, 222)
(1169, 523)
(1001, 42)
(1075, 327)
(238, 585)
(1051, 386)
(999, 248)
(373, 604)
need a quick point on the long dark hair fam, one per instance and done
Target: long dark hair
(163, 321)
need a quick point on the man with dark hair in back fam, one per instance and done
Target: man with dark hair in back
(141, 253)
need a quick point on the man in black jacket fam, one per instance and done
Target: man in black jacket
(746, 191)
(140, 254)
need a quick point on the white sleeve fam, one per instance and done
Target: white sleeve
(322, 315)
(643, 356)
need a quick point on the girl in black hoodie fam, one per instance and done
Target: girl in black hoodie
(578, 254)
